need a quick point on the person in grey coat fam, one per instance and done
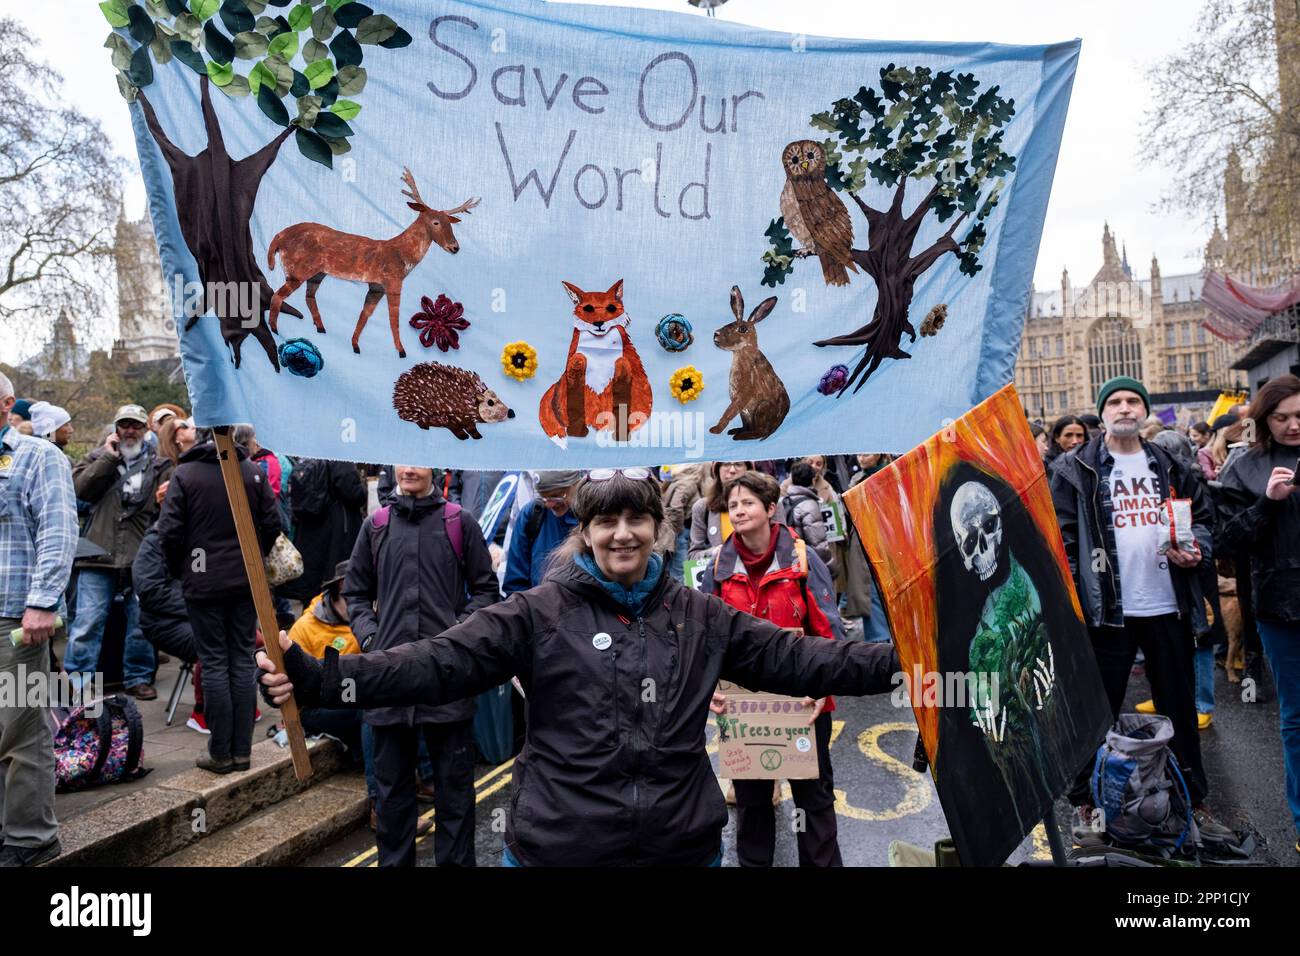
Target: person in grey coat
(803, 512)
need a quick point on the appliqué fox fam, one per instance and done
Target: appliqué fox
(604, 384)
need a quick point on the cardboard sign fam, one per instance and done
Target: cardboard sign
(765, 737)
(833, 515)
(731, 689)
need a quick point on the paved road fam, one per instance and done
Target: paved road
(881, 799)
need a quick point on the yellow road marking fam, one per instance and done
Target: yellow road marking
(486, 792)
(492, 773)
(916, 785)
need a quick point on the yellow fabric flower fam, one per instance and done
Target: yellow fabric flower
(686, 384)
(519, 360)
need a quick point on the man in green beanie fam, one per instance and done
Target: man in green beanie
(1126, 384)
(1108, 495)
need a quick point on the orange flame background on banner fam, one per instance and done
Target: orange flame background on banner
(893, 512)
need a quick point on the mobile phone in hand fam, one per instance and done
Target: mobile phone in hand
(1295, 476)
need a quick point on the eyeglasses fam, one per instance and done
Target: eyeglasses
(632, 474)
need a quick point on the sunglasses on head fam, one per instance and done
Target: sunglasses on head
(604, 474)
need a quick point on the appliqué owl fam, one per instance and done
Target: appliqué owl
(815, 216)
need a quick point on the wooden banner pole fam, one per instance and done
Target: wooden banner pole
(251, 550)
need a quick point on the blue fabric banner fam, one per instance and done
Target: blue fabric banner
(523, 234)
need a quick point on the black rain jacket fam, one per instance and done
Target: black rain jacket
(416, 589)
(614, 769)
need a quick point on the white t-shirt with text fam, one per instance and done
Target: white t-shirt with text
(1146, 588)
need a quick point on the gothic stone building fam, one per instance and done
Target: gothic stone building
(147, 331)
(1077, 338)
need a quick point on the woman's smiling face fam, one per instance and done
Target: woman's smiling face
(621, 544)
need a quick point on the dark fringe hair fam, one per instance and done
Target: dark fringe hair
(1274, 392)
(611, 497)
(763, 485)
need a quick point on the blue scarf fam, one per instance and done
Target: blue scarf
(633, 598)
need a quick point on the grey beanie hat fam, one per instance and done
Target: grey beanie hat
(550, 480)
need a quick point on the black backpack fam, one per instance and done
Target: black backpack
(309, 489)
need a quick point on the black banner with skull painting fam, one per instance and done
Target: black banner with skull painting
(999, 664)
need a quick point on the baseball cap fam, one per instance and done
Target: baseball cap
(131, 413)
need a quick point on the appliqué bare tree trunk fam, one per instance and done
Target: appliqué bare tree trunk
(215, 196)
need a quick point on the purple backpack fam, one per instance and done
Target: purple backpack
(109, 748)
(451, 524)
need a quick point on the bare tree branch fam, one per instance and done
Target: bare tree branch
(59, 195)
(1233, 89)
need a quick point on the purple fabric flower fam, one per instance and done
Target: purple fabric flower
(835, 379)
(440, 322)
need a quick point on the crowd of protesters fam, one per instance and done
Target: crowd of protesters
(749, 568)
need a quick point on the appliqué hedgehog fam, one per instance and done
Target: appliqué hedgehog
(433, 395)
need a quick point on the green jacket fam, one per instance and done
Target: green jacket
(115, 528)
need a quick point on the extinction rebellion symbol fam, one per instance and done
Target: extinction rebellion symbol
(770, 759)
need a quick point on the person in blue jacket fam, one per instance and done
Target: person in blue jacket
(540, 527)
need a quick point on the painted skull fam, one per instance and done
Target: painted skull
(977, 526)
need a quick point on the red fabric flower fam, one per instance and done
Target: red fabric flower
(440, 322)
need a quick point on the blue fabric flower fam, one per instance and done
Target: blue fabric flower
(674, 333)
(301, 357)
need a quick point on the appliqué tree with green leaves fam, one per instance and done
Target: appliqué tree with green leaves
(931, 127)
(311, 53)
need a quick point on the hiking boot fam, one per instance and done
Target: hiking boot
(213, 765)
(1211, 828)
(14, 856)
(198, 722)
(1204, 720)
(241, 763)
(1082, 829)
(142, 692)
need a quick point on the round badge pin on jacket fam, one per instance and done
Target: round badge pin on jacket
(602, 641)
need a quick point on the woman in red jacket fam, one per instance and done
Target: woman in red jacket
(764, 570)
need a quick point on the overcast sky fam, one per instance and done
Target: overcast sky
(1100, 176)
